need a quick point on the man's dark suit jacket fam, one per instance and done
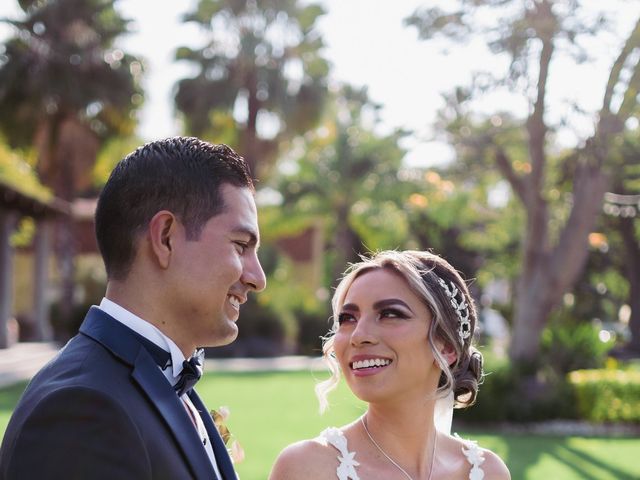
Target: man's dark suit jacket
(102, 409)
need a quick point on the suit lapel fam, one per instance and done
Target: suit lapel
(219, 449)
(122, 342)
(173, 411)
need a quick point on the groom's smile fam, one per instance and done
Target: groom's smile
(235, 301)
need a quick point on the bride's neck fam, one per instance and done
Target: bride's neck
(406, 432)
(406, 421)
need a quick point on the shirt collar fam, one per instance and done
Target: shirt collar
(148, 331)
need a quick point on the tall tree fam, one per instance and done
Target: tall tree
(469, 214)
(346, 175)
(530, 33)
(64, 88)
(622, 206)
(261, 76)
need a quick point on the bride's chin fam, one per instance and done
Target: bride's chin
(369, 395)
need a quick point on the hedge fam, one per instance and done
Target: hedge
(607, 395)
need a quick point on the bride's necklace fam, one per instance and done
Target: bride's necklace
(433, 453)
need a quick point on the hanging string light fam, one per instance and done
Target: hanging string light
(621, 205)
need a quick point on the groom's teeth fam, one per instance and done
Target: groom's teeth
(234, 301)
(371, 362)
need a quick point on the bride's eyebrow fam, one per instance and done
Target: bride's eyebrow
(352, 307)
(380, 304)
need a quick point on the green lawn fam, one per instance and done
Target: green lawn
(271, 410)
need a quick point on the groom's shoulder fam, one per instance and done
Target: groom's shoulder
(81, 355)
(81, 363)
(307, 459)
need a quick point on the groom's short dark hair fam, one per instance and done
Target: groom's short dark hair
(180, 174)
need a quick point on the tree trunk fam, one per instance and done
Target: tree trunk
(67, 152)
(532, 308)
(546, 279)
(250, 135)
(632, 264)
(347, 244)
(532, 302)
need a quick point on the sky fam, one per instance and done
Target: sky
(368, 45)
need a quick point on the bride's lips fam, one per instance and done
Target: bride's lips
(364, 365)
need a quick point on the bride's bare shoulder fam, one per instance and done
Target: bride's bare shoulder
(306, 460)
(490, 463)
(494, 466)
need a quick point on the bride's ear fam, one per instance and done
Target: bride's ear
(448, 352)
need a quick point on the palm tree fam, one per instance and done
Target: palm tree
(346, 174)
(261, 74)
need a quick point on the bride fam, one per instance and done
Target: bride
(401, 336)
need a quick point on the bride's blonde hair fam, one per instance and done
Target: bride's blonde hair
(422, 271)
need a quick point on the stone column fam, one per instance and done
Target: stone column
(8, 220)
(41, 250)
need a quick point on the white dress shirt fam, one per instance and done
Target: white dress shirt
(172, 372)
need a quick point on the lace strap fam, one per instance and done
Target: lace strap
(475, 456)
(347, 468)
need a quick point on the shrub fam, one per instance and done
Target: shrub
(508, 394)
(572, 346)
(494, 398)
(607, 395)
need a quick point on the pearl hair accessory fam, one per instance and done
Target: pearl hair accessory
(461, 308)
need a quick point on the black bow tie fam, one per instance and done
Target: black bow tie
(191, 373)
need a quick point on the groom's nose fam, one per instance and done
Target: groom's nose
(253, 275)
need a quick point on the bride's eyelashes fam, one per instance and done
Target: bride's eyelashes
(393, 313)
(345, 317)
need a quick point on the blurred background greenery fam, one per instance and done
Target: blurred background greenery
(545, 229)
(269, 410)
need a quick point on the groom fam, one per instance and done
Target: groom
(177, 228)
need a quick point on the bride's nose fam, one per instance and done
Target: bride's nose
(364, 332)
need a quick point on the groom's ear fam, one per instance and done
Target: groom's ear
(162, 230)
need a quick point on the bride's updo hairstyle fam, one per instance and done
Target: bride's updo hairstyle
(444, 292)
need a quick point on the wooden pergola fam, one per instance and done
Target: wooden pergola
(13, 206)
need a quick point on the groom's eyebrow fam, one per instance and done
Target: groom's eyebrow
(254, 239)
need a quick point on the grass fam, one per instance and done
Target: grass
(271, 410)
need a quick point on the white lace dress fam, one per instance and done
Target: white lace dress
(347, 468)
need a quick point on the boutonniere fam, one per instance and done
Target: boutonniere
(233, 446)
